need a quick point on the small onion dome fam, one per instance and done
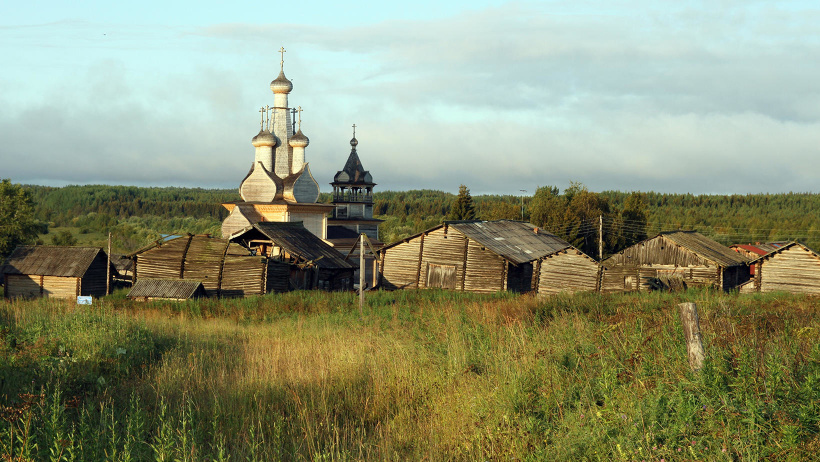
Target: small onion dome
(281, 84)
(354, 142)
(299, 140)
(264, 138)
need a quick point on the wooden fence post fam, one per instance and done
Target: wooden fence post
(691, 331)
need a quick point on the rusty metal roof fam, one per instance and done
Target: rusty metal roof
(48, 260)
(297, 241)
(705, 247)
(760, 248)
(176, 289)
(516, 241)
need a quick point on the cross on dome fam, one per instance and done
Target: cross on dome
(282, 61)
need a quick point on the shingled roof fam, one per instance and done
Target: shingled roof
(50, 260)
(353, 172)
(705, 247)
(296, 240)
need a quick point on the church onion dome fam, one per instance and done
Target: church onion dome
(281, 84)
(354, 142)
(265, 138)
(299, 140)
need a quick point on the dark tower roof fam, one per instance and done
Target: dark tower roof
(353, 173)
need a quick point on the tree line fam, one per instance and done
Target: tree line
(136, 216)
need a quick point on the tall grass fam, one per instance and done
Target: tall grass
(420, 375)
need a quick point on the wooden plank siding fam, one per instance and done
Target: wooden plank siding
(23, 286)
(567, 271)
(794, 269)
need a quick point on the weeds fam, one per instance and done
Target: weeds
(422, 374)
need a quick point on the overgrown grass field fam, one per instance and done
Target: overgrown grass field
(418, 375)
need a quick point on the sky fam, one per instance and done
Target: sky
(712, 97)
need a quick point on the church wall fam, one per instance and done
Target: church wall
(313, 222)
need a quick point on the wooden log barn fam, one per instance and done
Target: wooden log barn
(674, 259)
(486, 256)
(225, 269)
(314, 264)
(56, 271)
(146, 290)
(791, 268)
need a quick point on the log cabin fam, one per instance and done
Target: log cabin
(56, 271)
(225, 269)
(486, 256)
(791, 268)
(682, 258)
(314, 264)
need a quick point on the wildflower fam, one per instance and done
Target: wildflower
(678, 449)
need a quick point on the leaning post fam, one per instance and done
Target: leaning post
(691, 331)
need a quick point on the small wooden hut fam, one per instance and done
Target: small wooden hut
(55, 271)
(791, 268)
(486, 256)
(146, 290)
(314, 264)
(677, 259)
(225, 269)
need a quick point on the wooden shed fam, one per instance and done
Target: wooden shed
(166, 289)
(55, 271)
(225, 269)
(685, 257)
(486, 256)
(791, 268)
(314, 264)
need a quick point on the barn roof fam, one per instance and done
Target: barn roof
(178, 289)
(296, 240)
(760, 248)
(516, 241)
(781, 249)
(48, 260)
(705, 247)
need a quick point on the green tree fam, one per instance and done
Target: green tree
(463, 207)
(547, 209)
(17, 223)
(64, 237)
(633, 220)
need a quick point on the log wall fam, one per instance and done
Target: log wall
(400, 264)
(60, 287)
(444, 246)
(93, 281)
(23, 286)
(484, 270)
(793, 270)
(567, 271)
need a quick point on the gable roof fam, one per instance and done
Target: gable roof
(296, 240)
(180, 289)
(781, 249)
(48, 260)
(705, 247)
(516, 241)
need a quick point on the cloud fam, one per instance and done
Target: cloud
(718, 98)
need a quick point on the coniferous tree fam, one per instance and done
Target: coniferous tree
(17, 223)
(463, 207)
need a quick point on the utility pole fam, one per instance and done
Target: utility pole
(522, 203)
(362, 270)
(600, 237)
(108, 268)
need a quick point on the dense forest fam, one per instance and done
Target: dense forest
(136, 216)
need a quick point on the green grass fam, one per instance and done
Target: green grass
(418, 375)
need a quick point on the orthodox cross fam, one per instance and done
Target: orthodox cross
(267, 112)
(262, 112)
(282, 62)
(293, 117)
(300, 117)
(354, 130)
